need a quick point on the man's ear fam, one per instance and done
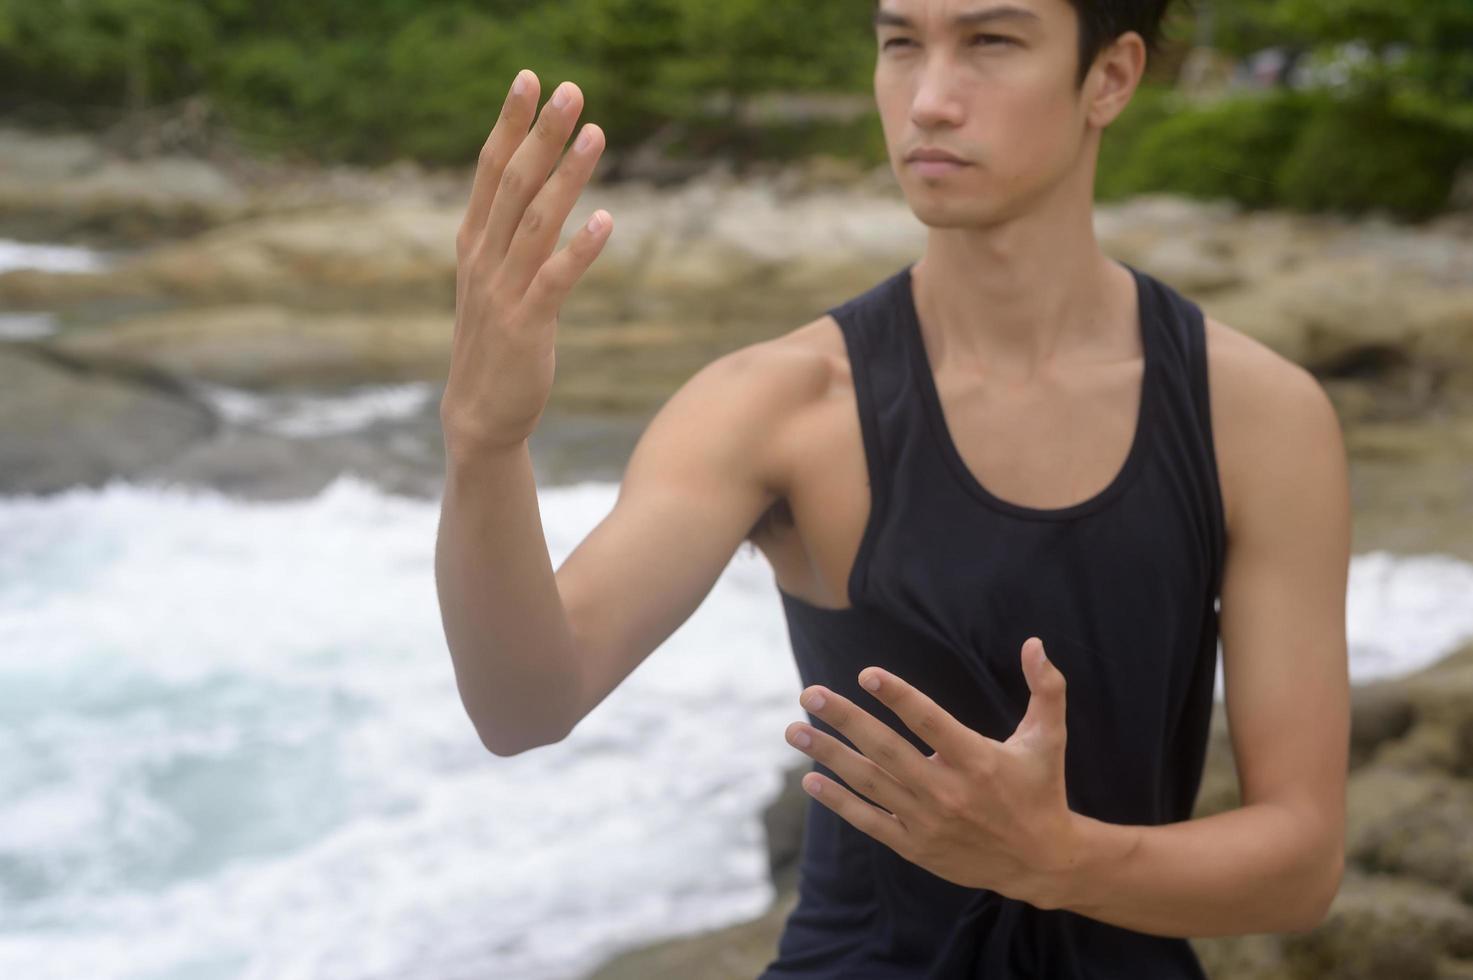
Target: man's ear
(1113, 78)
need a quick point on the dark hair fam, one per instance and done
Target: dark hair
(1102, 21)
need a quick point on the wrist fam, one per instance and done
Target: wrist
(1089, 846)
(465, 456)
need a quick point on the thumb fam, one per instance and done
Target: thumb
(1043, 723)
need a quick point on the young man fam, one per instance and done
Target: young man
(1014, 465)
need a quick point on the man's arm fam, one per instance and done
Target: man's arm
(534, 650)
(706, 468)
(537, 649)
(1275, 863)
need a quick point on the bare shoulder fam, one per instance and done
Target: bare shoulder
(1268, 413)
(742, 405)
(801, 361)
(813, 351)
(1246, 366)
(791, 371)
(806, 362)
(814, 358)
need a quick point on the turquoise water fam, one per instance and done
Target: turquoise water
(231, 746)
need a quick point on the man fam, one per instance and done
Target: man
(1016, 468)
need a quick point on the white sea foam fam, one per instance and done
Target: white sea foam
(47, 257)
(311, 415)
(232, 729)
(231, 747)
(27, 326)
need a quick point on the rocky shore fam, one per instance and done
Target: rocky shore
(293, 283)
(237, 293)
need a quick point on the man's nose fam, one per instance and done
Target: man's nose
(935, 100)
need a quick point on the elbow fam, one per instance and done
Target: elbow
(1322, 897)
(506, 734)
(506, 743)
(506, 748)
(502, 747)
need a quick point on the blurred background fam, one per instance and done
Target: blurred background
(230, 741)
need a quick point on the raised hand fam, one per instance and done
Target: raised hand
(509, 286)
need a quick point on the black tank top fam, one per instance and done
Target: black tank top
(948, 582)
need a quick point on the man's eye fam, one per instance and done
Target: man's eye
(988, 38)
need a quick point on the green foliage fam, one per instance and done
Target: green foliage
(1233, 149)
(1307, 151)
(1410, 174)
(743, 47)
(1436, 25)
(371, 80)
(861, 140)
(1401, 121)
(126, 52)
(1241, 27)
(1149, 106)
(1422, 50)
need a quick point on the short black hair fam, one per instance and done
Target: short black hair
(1102, 21)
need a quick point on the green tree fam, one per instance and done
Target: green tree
(130, 53)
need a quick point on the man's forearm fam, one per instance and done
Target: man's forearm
(504, 620)
(1252, 869)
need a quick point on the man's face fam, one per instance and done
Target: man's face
(997, 91)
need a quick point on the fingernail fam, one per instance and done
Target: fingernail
(519, 87)
(563, 96)
(815, 701)
(585, 140)
(596, 223)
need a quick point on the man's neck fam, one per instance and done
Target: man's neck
(1020, 297)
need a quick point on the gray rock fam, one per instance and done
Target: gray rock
(65, 424)
(1431, 840)
(783, 820)
(1384, 926)
(1380, 711)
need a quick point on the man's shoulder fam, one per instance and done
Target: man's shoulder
(791, 368)
(745, 403)
(1267, 411)
(1242, 359)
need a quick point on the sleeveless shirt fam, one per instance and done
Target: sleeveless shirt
(948, 582)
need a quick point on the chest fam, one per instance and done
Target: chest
(1040, 445)
(1046, 444)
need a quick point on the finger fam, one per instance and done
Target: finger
(936, 726)
(527, 171)
(883, 827)
(542, 224)
(559, 274)
(1043, 722)
(867, 779)
(880, 743)
(510, 129)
